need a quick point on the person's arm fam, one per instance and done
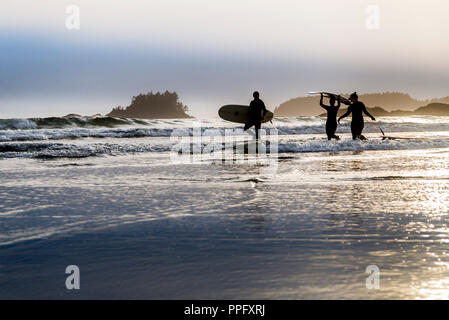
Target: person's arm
(346, 114)
(367, 113)
(264, 108)
(322, 104)
(339, 103)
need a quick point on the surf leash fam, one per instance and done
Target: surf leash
(378, 124)
(376, 129)
(393, 138)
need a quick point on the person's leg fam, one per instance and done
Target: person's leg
(331, 127)
(248, 125)
(360, 129)
(354, 132)
(357, 129)
(257, 126)
(328, 132)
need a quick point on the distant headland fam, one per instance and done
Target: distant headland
(381, 104)
(432, 109)
(152, 106)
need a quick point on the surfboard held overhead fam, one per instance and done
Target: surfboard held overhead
(336, 96)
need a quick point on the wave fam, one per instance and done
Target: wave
(67, 150)
(82, 133)
(390, 125)
(50, 150)
(358, 145)
(72, 134)
(413, 123)
(61, 128)
(67, 122)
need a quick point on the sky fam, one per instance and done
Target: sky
(215, 52)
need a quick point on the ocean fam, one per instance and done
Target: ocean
(170, 209)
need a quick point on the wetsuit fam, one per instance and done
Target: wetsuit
(357, 109)
(331, 122)
(256, 107)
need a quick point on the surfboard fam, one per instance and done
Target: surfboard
(240, 114)
(329, 94)
(402, 138)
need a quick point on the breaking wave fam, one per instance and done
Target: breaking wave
(58, 128)
(86, 137)
(68, 122)
(50, 150)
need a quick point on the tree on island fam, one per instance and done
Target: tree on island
(152, 106)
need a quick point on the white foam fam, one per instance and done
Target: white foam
(358, 145)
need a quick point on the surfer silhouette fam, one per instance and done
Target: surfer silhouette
(256, 108)
(331, 122)
(357, 108)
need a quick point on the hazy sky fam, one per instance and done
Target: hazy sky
(215, 52)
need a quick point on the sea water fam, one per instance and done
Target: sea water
(108, 196)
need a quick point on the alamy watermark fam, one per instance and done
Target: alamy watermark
(373, 280)
(72, 282)
(227, 145)
(72, 21)
(372, 21)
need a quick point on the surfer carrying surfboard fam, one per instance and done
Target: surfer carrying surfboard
(257, 112)
(331, 122)
(357, 108)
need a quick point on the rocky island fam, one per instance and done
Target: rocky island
(152, 106)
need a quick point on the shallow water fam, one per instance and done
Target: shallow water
(142, 226)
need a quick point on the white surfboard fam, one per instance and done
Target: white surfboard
(329, 94)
